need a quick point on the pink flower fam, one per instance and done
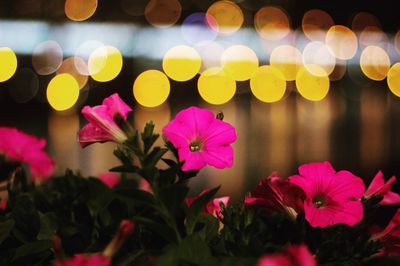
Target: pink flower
(85, 260)
(110, 179)
(213, 207)
(21, 147)
(144, 185)
(277, 194)
(3, 204)
(291, 256)
(125, 229)
(390, 237)
(201, 139)
(331, 197)
(378, 187)
(102, 127)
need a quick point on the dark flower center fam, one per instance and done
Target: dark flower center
(319, 201)
(195, 146)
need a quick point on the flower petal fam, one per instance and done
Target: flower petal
(116, 105)
(90, 134)
(194, 161)
(219, 157)
(219, 133)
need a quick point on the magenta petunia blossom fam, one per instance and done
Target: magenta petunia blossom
(85, 260)
(18, 146)
(331, 197)
(213, 207)
(292, 256)
(110, 179)
(277, 194)
(390, 237)
(102, 127)
(201, 139)
(378, 187)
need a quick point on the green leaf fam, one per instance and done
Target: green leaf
(5, 229)
(26, 217)
(32, 248)
(126, 168)
(153, 157)
(173, 196)
(137, 195)
(148, 137)
(48, 226)
(161, 229)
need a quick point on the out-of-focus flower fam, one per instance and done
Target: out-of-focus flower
(144, 185)
(379, 188)
(390, 237)
(85, 260)
(102, 126)
(126, 228)
(110, 179)
(277, 194)
(213, 207)
(18, 146)
(331, 197)
(201, 139)
(292, 256)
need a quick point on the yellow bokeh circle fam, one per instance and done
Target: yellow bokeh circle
(393, 79)
(287, 59)
(374, 62)
(105, 63)
(311, 87)
(8, 63)
(151, 88)
(62, 92)
(268, 84)
(240, 62)
(181, 63)
(215, 86)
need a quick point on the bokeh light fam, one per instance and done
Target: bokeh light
(371, 35)
(240, 62)
(215, 86)
(8, 63)
(78, 10)
(24, 85)
(315, 24)
(272, 23)
(210, 53)
(195, 28)
(317, 53)
(339, 71)
(311, 87)
(374, 62)
(47, 57)
(397, 42)
(268, 84)
(84, 51)
(62, 92)
(69, 66)
(362, 20)
(163, 13)
(227, 15)
(288, 59)
(105, 63)
(342, 42)
(151, 88)
(181, 63)
(393, 79)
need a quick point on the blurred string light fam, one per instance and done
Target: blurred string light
(311, 87)
(210, 53)
(393, 79)
(78, 10)
(8, 63)
(181, 63)
(69, 66)
(288, 59)
(374, 62)
(105, 63)
(47, 57)
(315, 24)
(368, 28)
(342, 42)
(225, 17)
(215, 86)
(163, 13)
(317, 53)
(151, 88)
(196, 28)
(268, 84)
(272, 23)
(240, 62)
(24, 85)
(62, 92)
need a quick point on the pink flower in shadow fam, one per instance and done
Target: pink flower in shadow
(201, 139)
(378, 187)
(102, 126)
(110, 179)
(213, 207)
(390, 237)
(277, 194)
(292, 256)
(331, 197)
(18, 146)
(85, 260)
